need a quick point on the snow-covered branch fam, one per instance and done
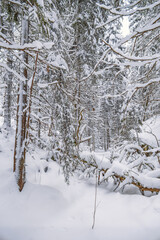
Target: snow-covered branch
(130, 12)
(36, 45)
(135, 59)
(12, 71)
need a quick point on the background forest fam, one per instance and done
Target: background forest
(70, 83)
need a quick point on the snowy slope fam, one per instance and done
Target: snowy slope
(49, 209)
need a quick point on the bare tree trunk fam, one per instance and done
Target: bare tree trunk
(106, 135)
(108, 138)
(78, 75)
(19, 152)
(105, 140)
(7, 98)
(39, 126)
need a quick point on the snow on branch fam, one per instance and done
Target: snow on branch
(15, 2)
(138, 86)
(107, 22)
(95, 67)
(128, 176)
(124, 170)
(142, 59)
(139, 31)
(36, 45)
(125, 13)
(125, 6)
(12, 71)
(143, 85)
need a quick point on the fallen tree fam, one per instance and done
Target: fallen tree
(131, 166)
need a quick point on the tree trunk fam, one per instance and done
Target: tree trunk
(20, 152)
(8, 29)
(7, 98)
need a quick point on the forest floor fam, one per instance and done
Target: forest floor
(50, 209)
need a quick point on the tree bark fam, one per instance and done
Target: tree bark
(19, 152)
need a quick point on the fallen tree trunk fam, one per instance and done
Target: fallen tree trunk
(125, 176)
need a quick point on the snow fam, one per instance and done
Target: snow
(100, 159)
(45, 85)
(36, 45)
(118, 168)
(58, 61)
(150, 132)
(40, 2)
(12, 71)
(48, 45)
(127, 13)
(49, 209)
(1, 112)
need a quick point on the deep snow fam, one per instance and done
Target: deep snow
(49, 209)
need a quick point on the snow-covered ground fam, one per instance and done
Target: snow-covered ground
(49, 209)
